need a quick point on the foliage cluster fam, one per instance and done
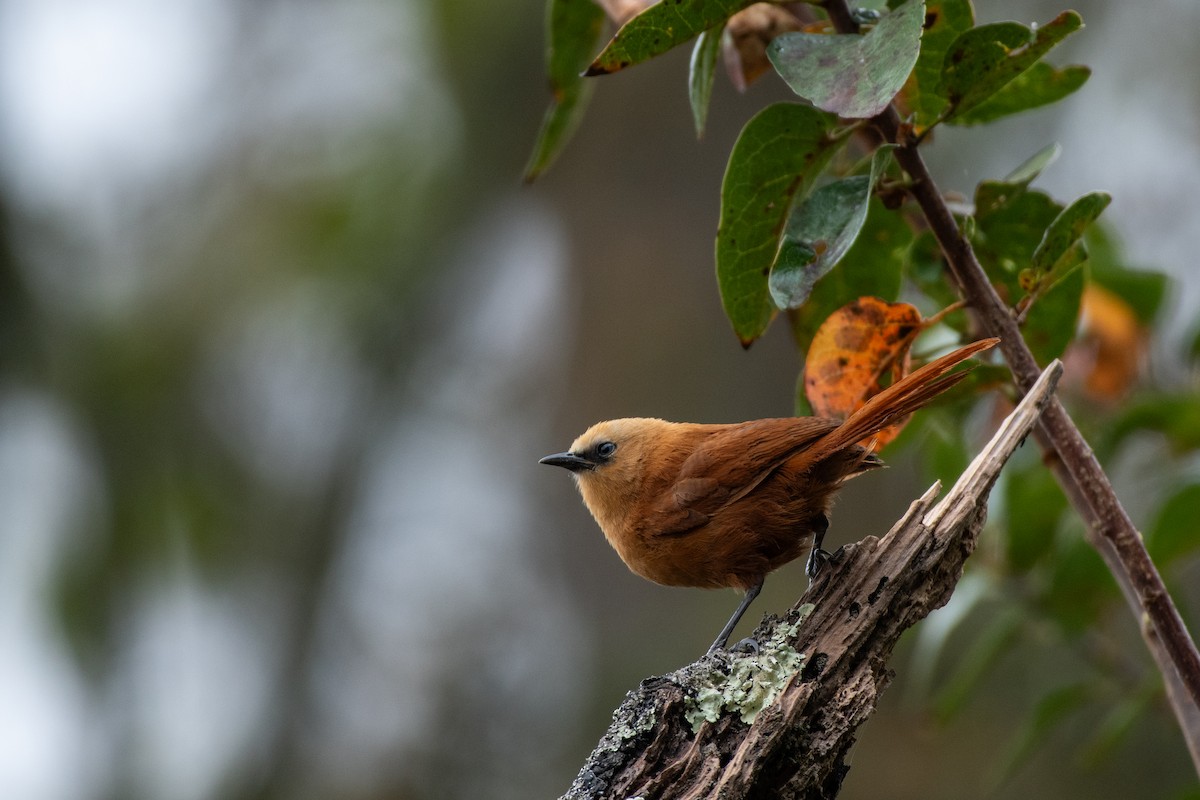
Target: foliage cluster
(814, 216)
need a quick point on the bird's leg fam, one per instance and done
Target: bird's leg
(817, 557)
(723, 636)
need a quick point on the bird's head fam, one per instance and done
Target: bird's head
(607, 450)
(609, 462)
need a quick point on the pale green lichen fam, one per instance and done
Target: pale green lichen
(642, 724)
(753, 681)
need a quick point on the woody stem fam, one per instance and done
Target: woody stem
(1077, 469)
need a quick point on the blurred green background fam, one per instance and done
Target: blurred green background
(282, 337)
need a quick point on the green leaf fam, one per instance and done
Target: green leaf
(1006, 226)
(803, 408)
(925, 266)
(1010, 221)
(1033, 506)
(1026, 173)
(778, 155)
(847, 74)
(661, 27)
(983, 60)
(1051, 711)
(933, 636)
(1176, 416)
(1040, 85)
(993, 642)
(1119, 722)
(80, 583)
(1051, 321)
(945, 455)
(944, 21)
(573, 29)
(1176, 530)
(1187, 793)
(820, 230)
(701, 71)
(818, 233)
(1080, 587)
(1061, 249)
(870, 269)
(1066, 230)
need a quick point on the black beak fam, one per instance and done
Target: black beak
(567, 461)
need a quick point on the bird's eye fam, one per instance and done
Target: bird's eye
(606, 449)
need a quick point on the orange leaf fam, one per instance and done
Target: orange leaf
(852, 352)
(1110, 345)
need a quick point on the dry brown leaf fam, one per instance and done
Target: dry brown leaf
(750, 31)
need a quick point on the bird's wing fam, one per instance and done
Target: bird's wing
(727, 466)
(733, 460)
(679, 510)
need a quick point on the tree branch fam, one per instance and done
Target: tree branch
(780, 723)
(1078, 472)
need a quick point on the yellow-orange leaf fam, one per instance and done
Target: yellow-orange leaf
(1111, 343)
(853, 351)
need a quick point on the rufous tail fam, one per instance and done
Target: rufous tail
(900, 399)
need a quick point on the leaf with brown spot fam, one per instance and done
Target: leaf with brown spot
(852, 352)
(821, 228)
(851, 75)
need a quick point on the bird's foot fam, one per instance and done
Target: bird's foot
(816, 560)
(747, 645)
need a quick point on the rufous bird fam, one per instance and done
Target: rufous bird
(711, 506)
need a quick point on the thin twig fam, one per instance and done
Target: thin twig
(957, 305)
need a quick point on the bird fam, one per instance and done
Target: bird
(724, 505)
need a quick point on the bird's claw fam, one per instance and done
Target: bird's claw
(816, 560)
(747, 645)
